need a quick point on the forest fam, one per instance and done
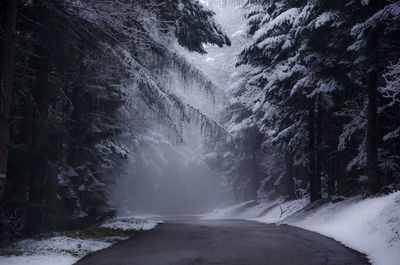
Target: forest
(305, 105)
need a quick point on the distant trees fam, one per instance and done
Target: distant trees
(86, 73)
(319, 91)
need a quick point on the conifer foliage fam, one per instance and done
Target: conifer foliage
(87, 74)
(319, 100)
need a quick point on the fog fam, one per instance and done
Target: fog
(165, 176)
(162, 178)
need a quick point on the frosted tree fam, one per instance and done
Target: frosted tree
(307, 70)
(375, 45)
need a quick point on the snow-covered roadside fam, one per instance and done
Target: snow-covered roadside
(68, 249)
(371, 225)
(57, 250)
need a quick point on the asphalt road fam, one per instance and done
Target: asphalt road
(225, 242)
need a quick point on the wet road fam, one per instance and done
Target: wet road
(225, 242)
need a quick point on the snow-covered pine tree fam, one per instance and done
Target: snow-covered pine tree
(277, 67)
(308, 71)
(376, 47)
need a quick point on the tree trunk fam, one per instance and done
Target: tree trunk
(318, 168)
(50, 222)
(313, 192)
(24, 168)
(9, 14)
(40, 93)
(290, 190)
(331, 178)
(342, 174)
(374, 184)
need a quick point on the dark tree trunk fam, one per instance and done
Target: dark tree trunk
(372, 135)
(312, 178)
(374, 183)
(50, 223)
(342, 174)
(8, 14)
(24, 171)
(57, 136)
(39, 139)
(331, 135)
(331, 178)
(290, 190)
(318, 166)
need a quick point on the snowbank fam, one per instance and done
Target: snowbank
(59, 250)
(66, 250)
(371, 226)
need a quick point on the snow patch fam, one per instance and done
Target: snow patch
(64, 250)
(59, 250)
(131, 223)
(39, 260)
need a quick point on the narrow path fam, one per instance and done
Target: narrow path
(225, 242)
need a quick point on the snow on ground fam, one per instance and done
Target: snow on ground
(281, 211)
(59, 250)
(132, 223)
(39, 260)
(371, 226)
(65, 250)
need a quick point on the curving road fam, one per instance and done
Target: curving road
(225, 242)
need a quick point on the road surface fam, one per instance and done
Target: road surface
(225, 242)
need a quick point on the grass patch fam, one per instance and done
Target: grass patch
(100, 233)
(10, 252)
